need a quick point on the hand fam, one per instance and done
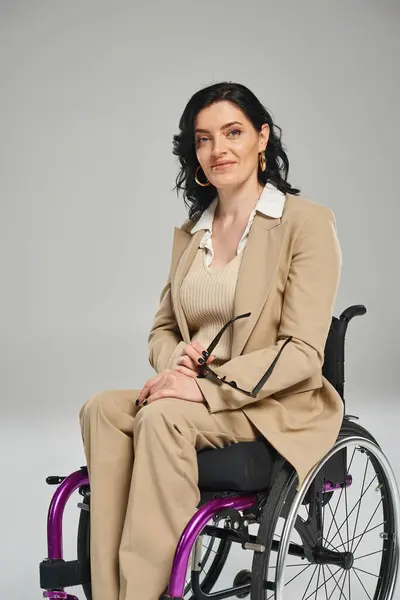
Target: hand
(188, 362)
(170, 384)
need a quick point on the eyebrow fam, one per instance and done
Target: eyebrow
(223, 127)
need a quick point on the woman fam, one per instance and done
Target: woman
(251, 245)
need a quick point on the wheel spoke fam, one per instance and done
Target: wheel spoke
(368, 531)
(325, 582)
(344, 583)
(293, 578)
(367, 572)
(362, 535)
(347, 517)
(334, 519)
(359, 504)
(319, 573)
(370, 554)
(335, 511)
(354, 507)
(348, 579)
(362, 585)
(337, 582)
(323, 575)
(309, 583)
(334, 547)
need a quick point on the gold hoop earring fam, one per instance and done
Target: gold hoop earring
(262, 161)
(199, 182)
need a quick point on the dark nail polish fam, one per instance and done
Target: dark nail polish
(137, 402)
(205, 354)
(201, 360)
(145, 402)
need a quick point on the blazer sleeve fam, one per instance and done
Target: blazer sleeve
(307, 310)
(164, 340)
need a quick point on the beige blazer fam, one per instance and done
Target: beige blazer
(288, 280)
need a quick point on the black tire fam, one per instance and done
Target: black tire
(284, 483)
(83, 548)
(281, 496)
(83, 553)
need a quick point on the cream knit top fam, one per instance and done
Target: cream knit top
(207, 297)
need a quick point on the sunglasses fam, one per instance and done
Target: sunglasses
(206, 369)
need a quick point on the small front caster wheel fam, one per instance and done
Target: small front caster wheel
(242, 578)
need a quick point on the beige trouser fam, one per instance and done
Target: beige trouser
(140, 507)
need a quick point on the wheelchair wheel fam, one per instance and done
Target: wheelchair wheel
(213, 559)
(341, 544)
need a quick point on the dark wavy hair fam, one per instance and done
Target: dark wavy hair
(197, 198)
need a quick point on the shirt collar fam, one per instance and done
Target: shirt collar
(270, 203)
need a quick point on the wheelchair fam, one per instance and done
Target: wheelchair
(303, 544)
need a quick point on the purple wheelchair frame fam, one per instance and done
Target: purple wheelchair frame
(191, 532)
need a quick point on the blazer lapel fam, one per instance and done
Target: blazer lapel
(184, 249)
(256, 274)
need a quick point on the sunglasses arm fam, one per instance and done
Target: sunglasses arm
(233, 384)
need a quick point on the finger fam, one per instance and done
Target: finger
(190, 351)
(149, 384)
(163, 393)
(143, 393)
(188, 372)
(154, 388)
(198, 347)
(201, 350)
(187, 362)
(199, 359)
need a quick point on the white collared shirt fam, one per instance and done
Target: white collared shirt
(270, 203)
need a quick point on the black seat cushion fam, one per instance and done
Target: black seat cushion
(240, 467)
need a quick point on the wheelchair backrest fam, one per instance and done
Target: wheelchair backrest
(333, 367)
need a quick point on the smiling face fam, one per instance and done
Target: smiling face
(227, 144)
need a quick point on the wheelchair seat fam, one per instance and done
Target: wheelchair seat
(244, 467)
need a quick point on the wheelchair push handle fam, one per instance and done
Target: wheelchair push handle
(357, 310)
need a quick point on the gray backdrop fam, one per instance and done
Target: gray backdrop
(91, 94)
